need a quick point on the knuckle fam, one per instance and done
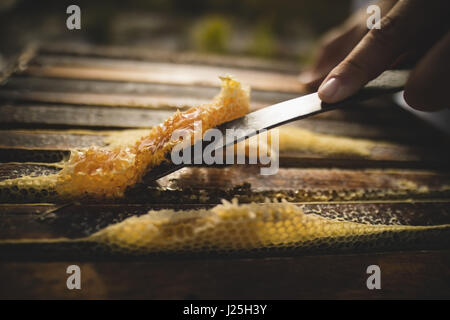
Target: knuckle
(386, 36)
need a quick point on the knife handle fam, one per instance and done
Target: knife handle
(390, 81)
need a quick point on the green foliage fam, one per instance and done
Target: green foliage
(264, 41)
(212, 34)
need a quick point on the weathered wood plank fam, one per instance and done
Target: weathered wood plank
(41, 143)
(361, 130)
(80, 116)
(60, 140)
(147, 54)
(381, 155)
(310, 179)
(164, 73)
(44, 115)
(107, 100)
(28, 210)
(405, 275)
(25, 84)
(44, 89)
(210, 185)
(348, 122)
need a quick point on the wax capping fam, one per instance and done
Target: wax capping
(107, 172)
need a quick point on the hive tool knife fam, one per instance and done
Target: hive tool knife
(390, 81)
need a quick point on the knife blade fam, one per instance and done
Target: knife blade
(390, 81)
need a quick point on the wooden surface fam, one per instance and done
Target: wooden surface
(408, 275)
(69, 97)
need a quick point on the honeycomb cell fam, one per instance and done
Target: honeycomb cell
(107, 172)
(230, 227)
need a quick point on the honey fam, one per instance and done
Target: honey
(107, 172)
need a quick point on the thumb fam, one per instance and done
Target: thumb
(378, 50)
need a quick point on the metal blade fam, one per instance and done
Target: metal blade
(270, 117)
(284, 112)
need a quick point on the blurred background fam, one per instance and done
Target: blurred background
(281, 29)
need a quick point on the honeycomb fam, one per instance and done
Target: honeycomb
(303, 140)
(107, 172)
(235, 228)
(231, 226)
(290, 139)
(298, 139)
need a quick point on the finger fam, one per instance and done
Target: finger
(427, 87)
(337, 44)
(378, 50)
(334, 47)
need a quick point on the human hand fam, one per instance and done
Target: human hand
(415, 30)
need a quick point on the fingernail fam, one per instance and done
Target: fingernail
(329, 89)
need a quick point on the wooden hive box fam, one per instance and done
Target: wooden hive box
(63, 96)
